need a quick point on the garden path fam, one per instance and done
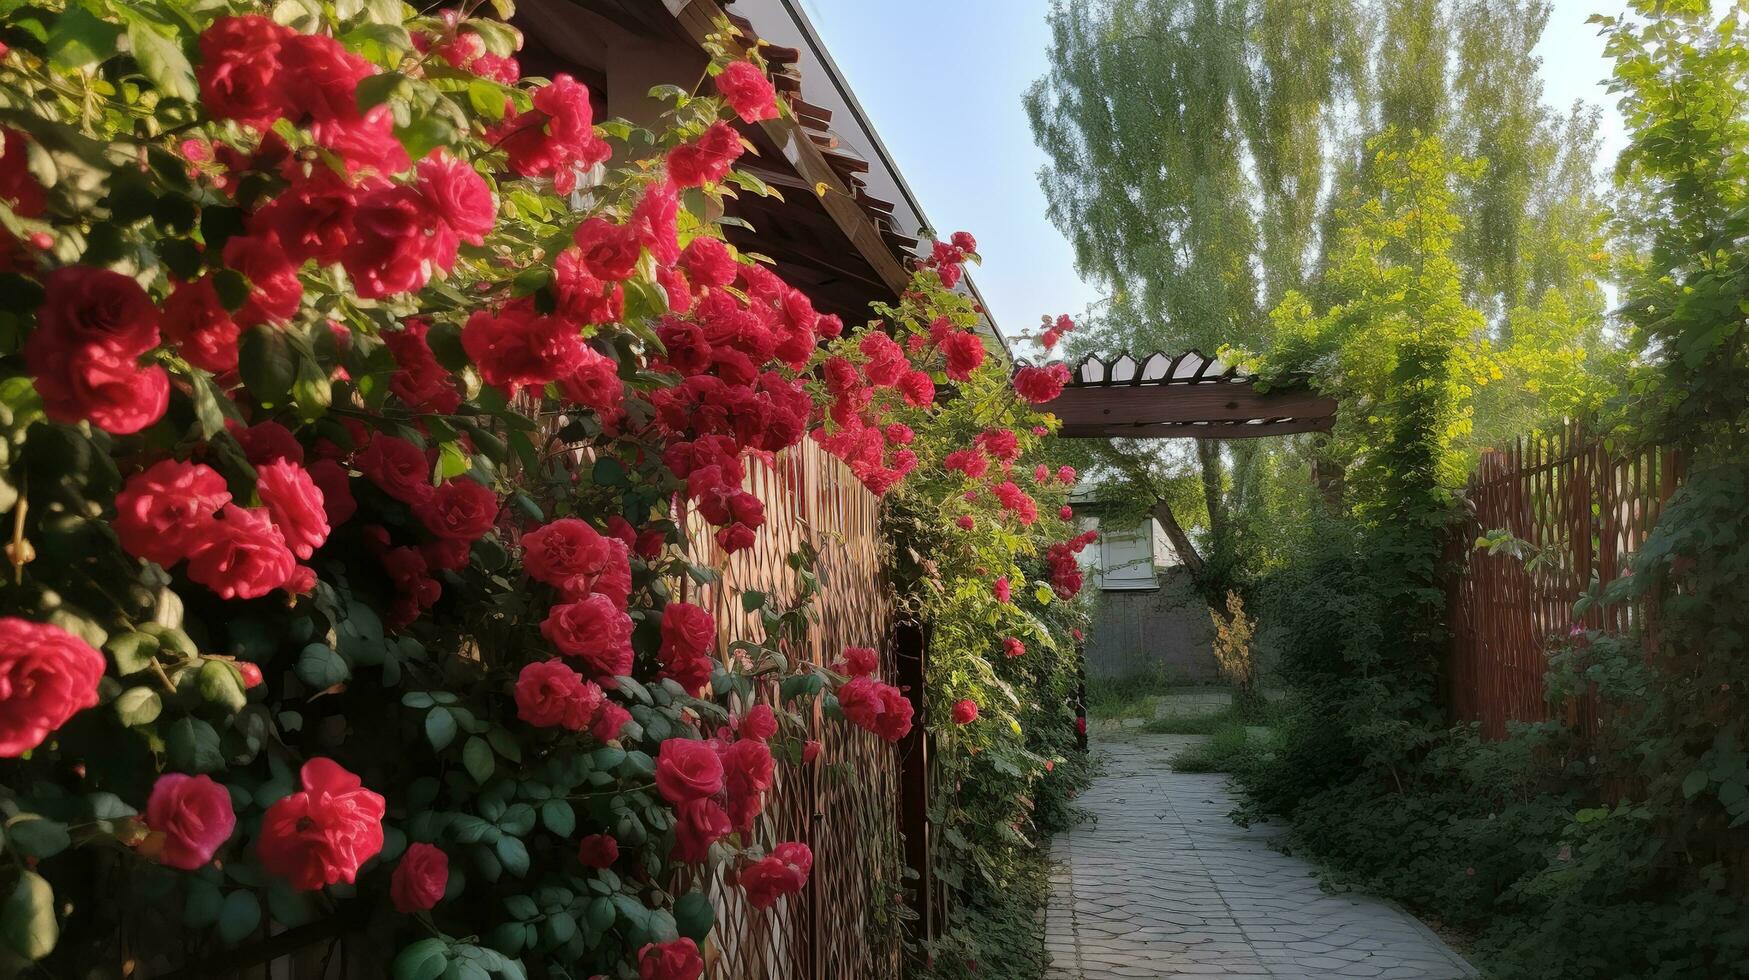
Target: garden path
(1163, 884)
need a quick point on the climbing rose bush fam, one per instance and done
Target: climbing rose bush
(353, 474)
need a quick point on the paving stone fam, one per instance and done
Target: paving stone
(1162, 884)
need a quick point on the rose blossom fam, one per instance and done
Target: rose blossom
(687, 630)
(199, 325)
(760, 723)
(1012, 647)
(783, 872)
(707, 159)
(598, 851)
(576, 558)
(159, 513)
(595, 630)
(462, 509)
(698, 824)
(47, 675)
(239, 59)
(860, 661)
(240, 555)
(194, 814)
(398, 467)
(295, 504)
(677, 960)
(335, 483)
(748, 91)
(687, 769)
(552, 695)
(420, 878)
(321, 835)
(609, 721)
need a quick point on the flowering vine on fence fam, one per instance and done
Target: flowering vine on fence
(357, 394)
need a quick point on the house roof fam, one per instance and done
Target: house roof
(847, 227)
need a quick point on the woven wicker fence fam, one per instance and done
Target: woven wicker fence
(1583, 510)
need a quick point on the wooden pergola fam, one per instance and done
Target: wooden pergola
(1188, 396)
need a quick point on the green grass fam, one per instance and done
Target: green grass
(1209, 722)
(1127, 697)
(1231, 747)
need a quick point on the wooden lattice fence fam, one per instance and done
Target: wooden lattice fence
(845, 805)
(1581, 509)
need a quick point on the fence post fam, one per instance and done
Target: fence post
(911, 652)
(1081, 696)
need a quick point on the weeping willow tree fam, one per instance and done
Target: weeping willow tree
(1203, 155)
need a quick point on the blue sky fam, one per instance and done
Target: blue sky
(942, 81)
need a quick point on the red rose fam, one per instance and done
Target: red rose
(88, 307)
(392, 249)
(420, 381)
(594, 629)
(194, 814)
(460, 510)
(677, 960)
(17, 186)
(239, 62)
(1066, 475)
(697, 825)
(335, 483)
(514, 347)
(556, 137)
(576, 558)
(654, 219)
(275, 292)
(687, 630)
(748, 91)
(1012, 647)
(97, 384)
(595, 385)
(1001, 444)
(200, 326)
(251, 674)
(47, 675)
(610, 251)
(312, 216)
(265, 442)
(709, 262)
(687, 769)
(398, 467)
(420, 879)
(964, 353)
(810, 750)
(1065, 513)
(456, 193)
(968, 461)
(879, 708)
(241, 555)
(760, 723)
(319, 80)
(294, 503)
(609, 721)
(965, 712)
(706, 160)
(861, 661)
(917, 388)
(964, 241)
(598, 851)
(783, 872)
(1001, 590)
(320, 835)
(1039, 385)
(748, 771)
(159, 513)
(550, 694)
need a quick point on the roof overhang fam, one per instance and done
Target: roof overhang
(1188, 396)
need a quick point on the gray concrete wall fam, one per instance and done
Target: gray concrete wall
(1162, 631)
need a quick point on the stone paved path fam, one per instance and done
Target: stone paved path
(1165, 885)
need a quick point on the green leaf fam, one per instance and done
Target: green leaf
(751, 599)
(321, 667)
(513, 854)
(132, 652)
(477, 757)
(27, 917)
(374, 90)
(423, 960)
(1695, 782)
(222, 683)
(239, 916)
(203, 905)
(557, 816)
(609, 472)
(161, 59)
(36, 836)
(693, 916)
(79, 40)
(193, 746)
(138, 706)
(266, 364)
(440, 728)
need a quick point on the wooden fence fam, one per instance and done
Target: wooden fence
(1580, 510)
(846, 804)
